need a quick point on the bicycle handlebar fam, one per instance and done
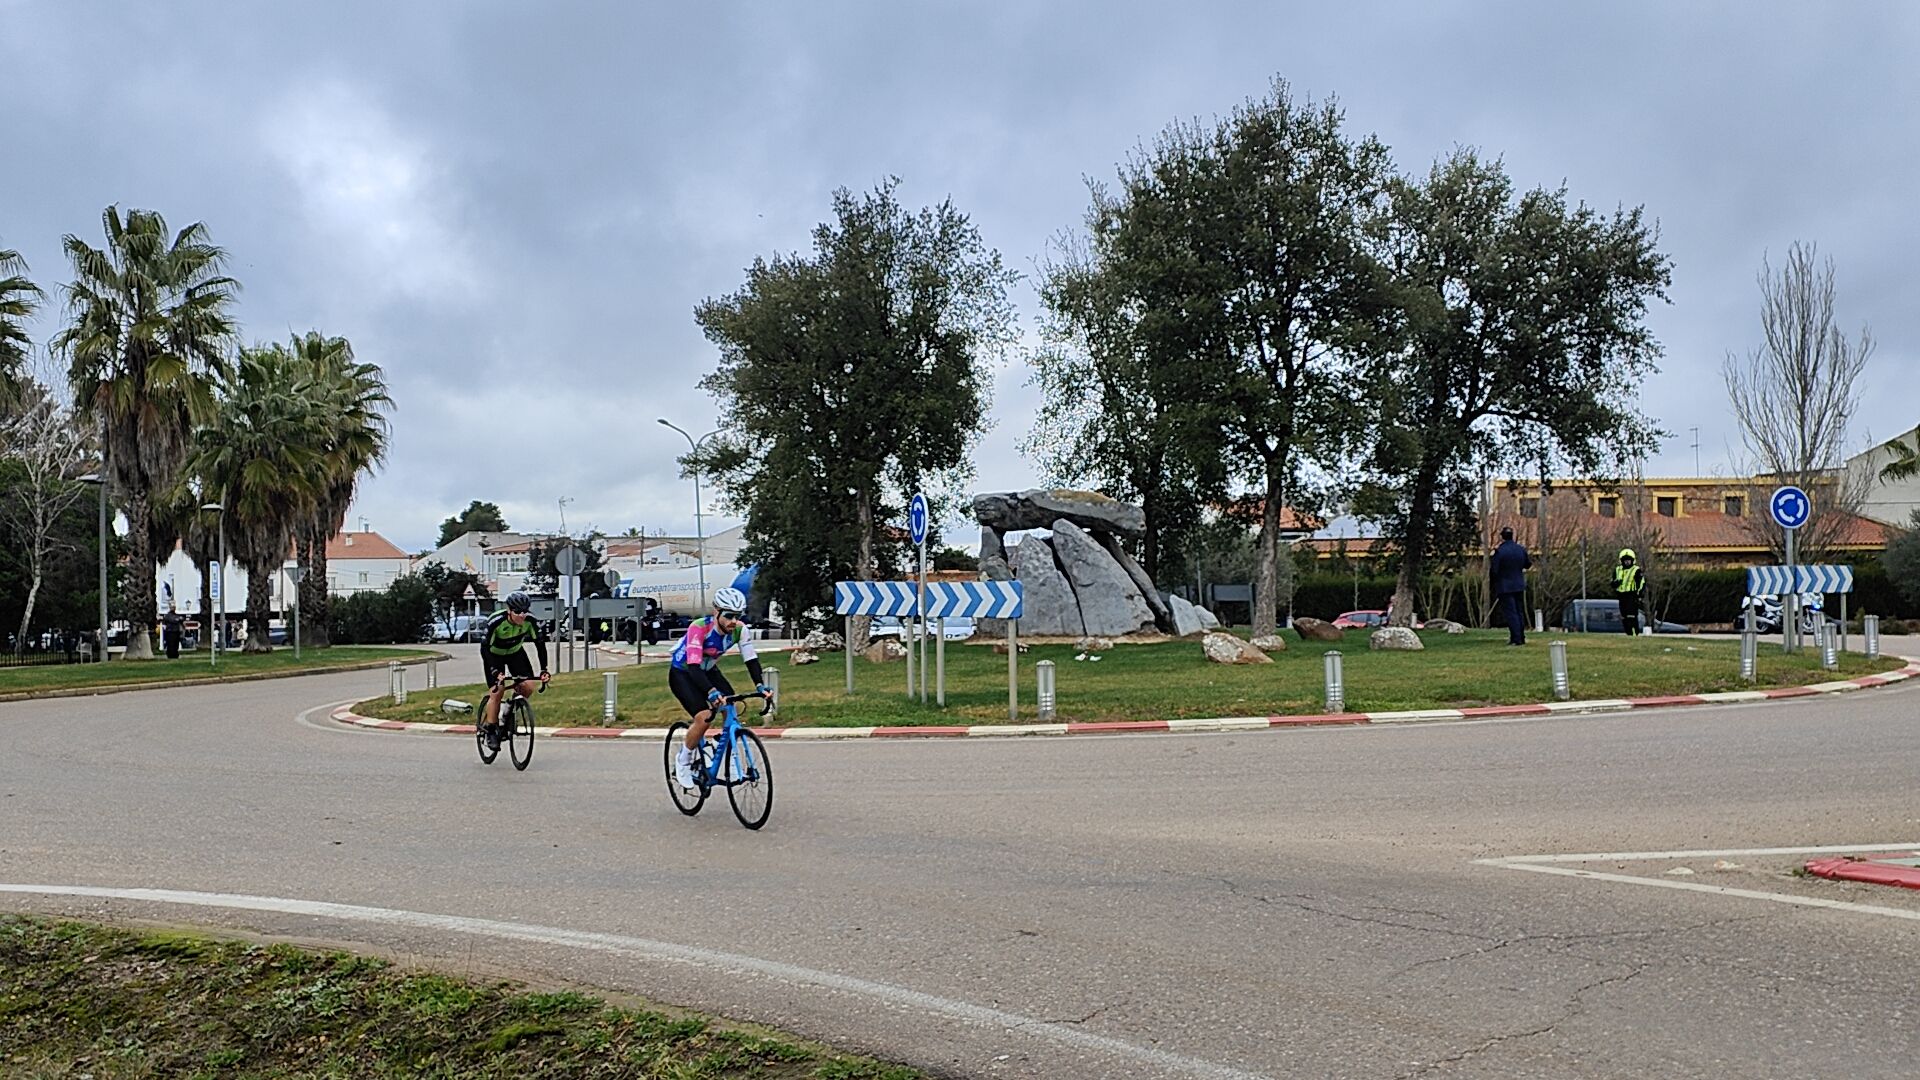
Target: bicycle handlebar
(766, 703)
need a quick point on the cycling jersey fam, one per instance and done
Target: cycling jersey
(705, 643)
(504, 639)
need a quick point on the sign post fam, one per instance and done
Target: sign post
(971, 599)
(917, 524)
(1791, 508)
(568, 562)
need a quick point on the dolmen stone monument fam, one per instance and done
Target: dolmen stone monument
(1080, 582)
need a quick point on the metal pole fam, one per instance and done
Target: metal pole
(846, 646)
(1870, 628)
(940, 662)
(920, 613)
(1790, 605)
(611, 695)
(1043, 684)
(1013, 671)
(223, 585)
(103, 543)
(296, 622)
(1336, 681)
(1561, 687)
(1829, 659)
(1843, 622)
(906, 642)
(433, 673)
(700, 530)
(1749, 652)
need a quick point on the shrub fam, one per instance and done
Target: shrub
(382, 618)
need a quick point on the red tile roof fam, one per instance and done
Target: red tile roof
(362, 545)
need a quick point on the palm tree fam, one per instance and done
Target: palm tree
(355, 398)
(264, 459)
(149, 328)
(18, 300)
(1906, 458)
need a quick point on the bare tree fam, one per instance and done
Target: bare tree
(50, 453)
(1795, 396)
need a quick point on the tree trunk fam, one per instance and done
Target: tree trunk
(206, 601)
(142, 605)
(1266, 588)
(313, 589)
(1413, 546)
(26, 617)
(862, 569)
(259, 607)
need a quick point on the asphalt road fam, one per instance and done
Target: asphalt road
(1290, 903)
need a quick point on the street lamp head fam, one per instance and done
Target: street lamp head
(662, 421)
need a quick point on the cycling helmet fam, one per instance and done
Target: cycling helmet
(519, 602)
(730, 601)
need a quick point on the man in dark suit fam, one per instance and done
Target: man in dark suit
(1508, 570)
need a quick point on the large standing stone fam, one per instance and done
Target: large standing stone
(1227, 649)
(1046, 603)
(1186, 617)
(1012, 511)
(885, 650)
(1162, 614)
(1395, 639)
(1311, 629)
(1110, 603)
(1208, 621)
(993, 545)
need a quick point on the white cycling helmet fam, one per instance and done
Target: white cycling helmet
(730, 601)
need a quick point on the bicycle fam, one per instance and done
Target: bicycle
(516, 713)
(735, 759)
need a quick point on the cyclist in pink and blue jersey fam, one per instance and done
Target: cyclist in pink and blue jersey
(695, 676)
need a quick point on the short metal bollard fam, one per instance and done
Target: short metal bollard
(1043, 678)
(398, 677)
(1539, 621)
(1871, 626)
(1749, 654)
(1562, 689)
(1336, 682)
(1829, 647)
(773, 683)
(433, 673)
(612, 695)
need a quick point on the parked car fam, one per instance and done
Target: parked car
(1369, 619)
(956, 629)
(1603, 617)
(461, 628)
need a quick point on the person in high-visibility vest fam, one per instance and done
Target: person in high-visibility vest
(1628, 582)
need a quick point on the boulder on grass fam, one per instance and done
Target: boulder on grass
(1443, 626)
(1269, 643)
(1456, 628)
(819, 641)
(1395, 639)
(1227, 649)
(802, 656)
(1317, 630)
(1000, 648)
(886, 650)
(1208, 621)
(1092, 644)
(1186, 617)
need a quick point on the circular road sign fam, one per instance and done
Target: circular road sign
(917, 518)
(1790, 506)
(569, 560)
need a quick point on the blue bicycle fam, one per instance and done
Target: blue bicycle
(735, 759)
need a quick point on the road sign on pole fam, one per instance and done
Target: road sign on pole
(917, 525)
(1790, 508)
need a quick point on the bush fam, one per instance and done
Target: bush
(1326, 596)
(382, 618)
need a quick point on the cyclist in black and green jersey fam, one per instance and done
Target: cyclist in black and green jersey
(503, 649)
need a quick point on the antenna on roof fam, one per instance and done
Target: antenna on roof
(1696, 449)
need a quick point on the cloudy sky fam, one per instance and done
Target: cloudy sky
(513, 208)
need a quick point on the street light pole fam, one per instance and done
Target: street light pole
(699, 523)
(101, 479)
(220, 585)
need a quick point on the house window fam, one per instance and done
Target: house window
(1734, 506)
(1610, 507)
(1666, 506)
(363, 577)
(1529, 508)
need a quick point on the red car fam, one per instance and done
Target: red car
(1367, 620)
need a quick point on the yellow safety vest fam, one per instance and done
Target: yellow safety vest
(1626, 579)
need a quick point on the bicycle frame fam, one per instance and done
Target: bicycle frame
(723, 745)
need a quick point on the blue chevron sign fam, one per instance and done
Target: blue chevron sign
(974, 599)
(873, 598)
(1780, 580)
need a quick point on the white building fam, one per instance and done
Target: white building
(356, 562)
(1892, 502)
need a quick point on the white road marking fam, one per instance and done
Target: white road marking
(643, 948)
(1554, 864)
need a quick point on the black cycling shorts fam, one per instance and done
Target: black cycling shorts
(692, 697)
(516, 662)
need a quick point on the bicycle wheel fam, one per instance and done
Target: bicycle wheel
(689, 802)
(487, 753)
(749, 779)
(520, 733)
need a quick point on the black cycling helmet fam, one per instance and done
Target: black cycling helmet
(519, 602)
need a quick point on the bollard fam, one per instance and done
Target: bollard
(1829, 653)
(393, 680)
(611, 695)
(1336, 682)
(1562, 689)
(1749, 653)
(1539, 621)
(773, 684)
(399, 684)
(1871, 626)
(1043, 679)
(433, 673)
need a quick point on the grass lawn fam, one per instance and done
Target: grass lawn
(125, 672)
(81, 1000)
(1169, 680)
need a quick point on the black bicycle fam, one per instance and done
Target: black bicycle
(734, 759)
(516, 722)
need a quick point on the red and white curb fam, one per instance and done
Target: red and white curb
(1221, 723)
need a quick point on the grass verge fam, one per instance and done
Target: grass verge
(83, 1000)
(279, 662)
(1172, 679)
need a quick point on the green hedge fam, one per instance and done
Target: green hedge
(382, 618)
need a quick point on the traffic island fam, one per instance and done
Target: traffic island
(121, 676)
